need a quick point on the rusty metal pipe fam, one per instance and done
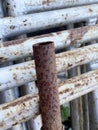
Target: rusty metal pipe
(44, 55)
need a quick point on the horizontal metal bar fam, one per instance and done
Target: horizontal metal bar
(26, 107)
(28, 6)
(12, 26)
(20, 74)
(17, 49)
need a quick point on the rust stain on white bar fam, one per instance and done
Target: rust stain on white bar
(12, 26)
(26, 107)
(18, 49)
(20, 74)
(14, 7)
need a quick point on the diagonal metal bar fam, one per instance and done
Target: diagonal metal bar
(26, 107)
(20, 74)
(12, 26)
(29, 6)
(18, 49)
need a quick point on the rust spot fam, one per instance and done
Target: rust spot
(12, 27)
(25, 20)
(65, 91)
(77, 34)
(14, 6)
(90, 10)
(15, 76)
(14, 42)
(58, 33)
(42, 36)
(1, 124)
(69, 65)
(1, 58)
(72, 93)
(15, 123)
(8, 114)
(19, 101)
(77, 85)
(47, 1)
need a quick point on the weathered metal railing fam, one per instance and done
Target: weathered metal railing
(27, 107)
(20, 74)
(12, 26)
(18, 49)
(28, 6)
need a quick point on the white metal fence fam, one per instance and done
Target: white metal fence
(30, 16)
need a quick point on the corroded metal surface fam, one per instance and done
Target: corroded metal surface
(44, 55)
(20, 74)
(28, 6)
(22, 48)
(12, 26)
(26, 107)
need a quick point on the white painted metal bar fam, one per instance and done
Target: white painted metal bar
(93, 101)
(21, 36)
(12, 26)
(20, 74)
(22, 48)
(26, 107)
(29, 87)
(15, 7)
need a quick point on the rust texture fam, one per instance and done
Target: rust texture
(77, 34)
(44, 54)
(14, 42)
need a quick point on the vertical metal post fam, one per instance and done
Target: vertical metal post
(93, 96)
(93, 102)
(44, 54)
(75, 105)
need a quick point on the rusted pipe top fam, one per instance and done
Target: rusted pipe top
(44, 54)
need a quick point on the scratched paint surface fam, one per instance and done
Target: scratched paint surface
(17, 75)
(18, 49)
(11, 26)
(14, 7)
(26, 107)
